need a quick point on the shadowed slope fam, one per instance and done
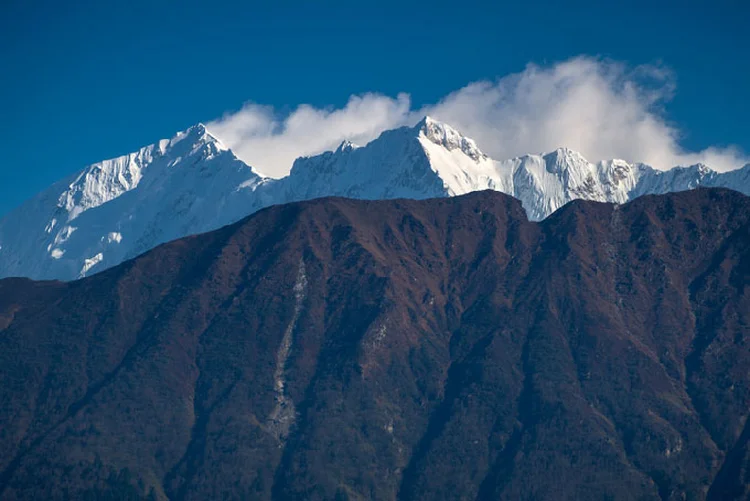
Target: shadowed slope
(439, 349)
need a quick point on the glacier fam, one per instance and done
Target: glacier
(116, 209)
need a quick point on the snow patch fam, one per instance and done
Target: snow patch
(389, 427)
(62, 236)
(90, 263)
(50, 226)
(284, 414)
(380, 334)
(114, 236)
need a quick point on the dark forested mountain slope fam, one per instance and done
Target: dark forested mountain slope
(439, 349)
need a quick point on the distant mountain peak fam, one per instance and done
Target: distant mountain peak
(191, 183)
(563, 159)
(444, 135)
(564, 154)
(346, 145)
(703, 168)
(194, 138)
(108, 179)
(198, 128)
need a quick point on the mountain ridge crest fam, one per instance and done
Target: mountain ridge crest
(191, 183)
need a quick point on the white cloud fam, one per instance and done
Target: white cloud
(271, 143)
(601, 108)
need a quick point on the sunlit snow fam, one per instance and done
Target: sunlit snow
(192, 183)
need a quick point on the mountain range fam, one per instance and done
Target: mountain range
(117, 209)
(397, 349)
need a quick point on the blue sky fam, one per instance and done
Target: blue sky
(97, 79)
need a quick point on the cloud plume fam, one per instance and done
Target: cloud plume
(604, 109)
(270, 142)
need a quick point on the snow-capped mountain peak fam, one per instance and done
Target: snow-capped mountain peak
(564, 159)
(115, 209)
(104, 181)
(346, 145)
(448, 137)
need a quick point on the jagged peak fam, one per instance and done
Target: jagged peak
(444, 135)
(198, 128)
(102, 181)
(699, 168)
(203, 131)
(563, 159)
(435, 129)
(346, 145)
(703, 168)
(425, 121)
(196, 135)
(563, 153)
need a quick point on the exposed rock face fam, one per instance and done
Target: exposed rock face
(438, 349)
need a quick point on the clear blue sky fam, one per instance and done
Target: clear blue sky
(87, 80)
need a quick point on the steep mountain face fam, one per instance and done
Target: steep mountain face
(438, 349)
(117, 209)
(428, 160)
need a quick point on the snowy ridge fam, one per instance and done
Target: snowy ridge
(116, 209)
